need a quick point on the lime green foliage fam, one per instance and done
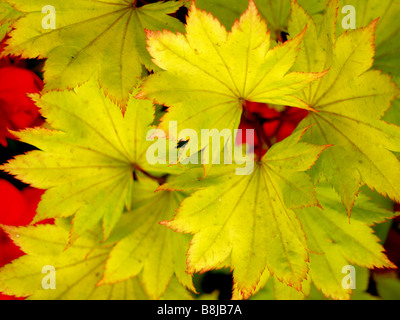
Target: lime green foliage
(334, 241)
(224, 68)
(271, 236)
(393, 114)
(270, 288)
(149, 246)
(275, 290)
(92, 38)
(388, 286)
(128, 229)
(87, 162)
(349, 102)
(387, 42)
(77, 266)
(7, 16)
(275, 12)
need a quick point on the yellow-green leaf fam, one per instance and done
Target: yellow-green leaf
(148, 247)
(249, 219)
(335, 241)
(8, 15)
(87, 162)
(348, 104)
(77, 269)
(208, 72)
(104, 39)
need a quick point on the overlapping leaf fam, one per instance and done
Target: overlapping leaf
(87, 162)
(388, 286)
(146, 246)
(276, 290)
(387, 44)
(334, 241)
(275, 12)
(101, 38)
(209, 72)
(270, 224)
(7, 16)
(349, 102)
(77, 269)
(249, 219)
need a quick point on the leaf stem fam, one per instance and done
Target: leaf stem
(161, 180)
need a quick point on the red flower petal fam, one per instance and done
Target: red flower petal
(32, 197)
(241, 138)
(295, 115)
(8, 249)
(270, 128)
(17, 110)
(263, 110)
(285, 130)
(13, 204)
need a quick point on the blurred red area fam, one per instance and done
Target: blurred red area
(17, 110)
(18, 208)
(269, 125)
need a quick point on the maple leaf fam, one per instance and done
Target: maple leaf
(209, 72)
(273, 289)
(8, 15)
(88, 161)
(146, 246)
(77, 268)
(387, 46)
(388, 286)
(249, 219)
(100, 38)
(393, 114)
(348, 104)
(275, 12)
(334, 241)
(270, 288)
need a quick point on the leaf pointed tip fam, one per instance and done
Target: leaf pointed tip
(149, 33)
(373, 23)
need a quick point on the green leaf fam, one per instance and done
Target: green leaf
(87, 162)
(276, 290)
(249, 219)
(209, 72)
(335, 241)
(275, 12)
(77, 268)
(148, 247)
(8, 15)
(92, 38)
(349, 103)
(388, 286)
(393, 114)
(387, 46)
(272, 289)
